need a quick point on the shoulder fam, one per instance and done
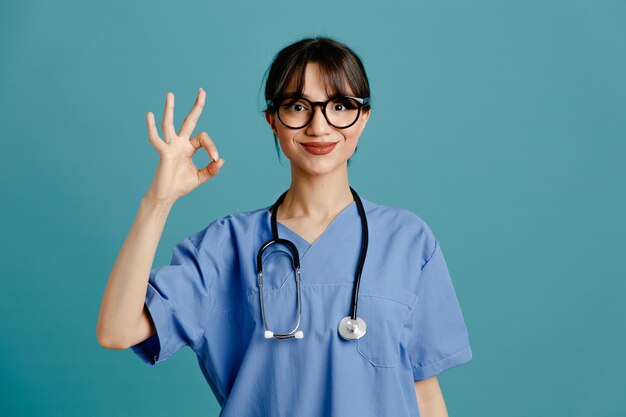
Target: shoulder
(227, 228)
(403, 225)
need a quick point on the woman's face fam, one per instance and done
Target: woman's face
(292, 140)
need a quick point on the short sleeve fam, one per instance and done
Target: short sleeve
(439, 338)
(177, 299)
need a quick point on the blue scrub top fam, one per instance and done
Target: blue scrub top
(208, 299)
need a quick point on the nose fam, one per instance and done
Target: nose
(318, 126)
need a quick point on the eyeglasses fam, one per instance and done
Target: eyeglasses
(297, 112)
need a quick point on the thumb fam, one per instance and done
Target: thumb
(210, 170)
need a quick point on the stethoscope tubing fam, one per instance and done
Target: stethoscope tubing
(364, 244)
(296, 265)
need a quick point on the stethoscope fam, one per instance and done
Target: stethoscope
(350, 327)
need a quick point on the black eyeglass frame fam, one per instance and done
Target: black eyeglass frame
(361, 102)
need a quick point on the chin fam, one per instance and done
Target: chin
(319, 168)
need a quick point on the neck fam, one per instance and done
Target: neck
(317, 197)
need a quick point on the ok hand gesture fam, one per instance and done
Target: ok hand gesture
(176, 175)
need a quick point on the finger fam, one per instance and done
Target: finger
(202, 139)
(168, 118)
(210, 171)
(189, 124)
(153, 134)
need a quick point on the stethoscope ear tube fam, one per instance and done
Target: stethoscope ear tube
(295, 260)
(268, 334)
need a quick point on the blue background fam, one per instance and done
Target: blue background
(501, 123)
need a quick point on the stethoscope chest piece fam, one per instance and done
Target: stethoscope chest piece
(352, 329)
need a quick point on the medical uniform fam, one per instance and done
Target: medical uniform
(208, 299)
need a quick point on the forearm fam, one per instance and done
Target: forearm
(125, 291)
(434, 407)
(430, 398)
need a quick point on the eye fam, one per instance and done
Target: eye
(294, 105)
(343, 104)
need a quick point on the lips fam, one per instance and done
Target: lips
(319, 148)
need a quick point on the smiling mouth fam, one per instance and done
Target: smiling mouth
(319, 148)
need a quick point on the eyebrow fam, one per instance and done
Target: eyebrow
(293, 94)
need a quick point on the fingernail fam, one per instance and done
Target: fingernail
(215, 156)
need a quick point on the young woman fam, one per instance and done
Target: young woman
(323, 303)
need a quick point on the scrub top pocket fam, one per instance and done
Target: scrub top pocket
(385, 311)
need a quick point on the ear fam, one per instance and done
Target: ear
(271, 120)
(363, 118)
(366, 115)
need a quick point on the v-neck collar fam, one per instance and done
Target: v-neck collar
(301, 243)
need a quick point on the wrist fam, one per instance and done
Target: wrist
(161, 205)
